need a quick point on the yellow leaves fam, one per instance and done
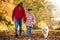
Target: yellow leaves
(30, 6)
(41, 23)
(42, 2)
(3, 27)
(11, 1)
(34, 4)
(29, 1)
(6, 12)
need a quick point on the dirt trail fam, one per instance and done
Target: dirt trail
(36, 35)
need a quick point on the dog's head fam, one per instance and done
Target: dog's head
(45, 28)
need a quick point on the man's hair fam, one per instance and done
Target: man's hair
(29, 9)
(20, 3)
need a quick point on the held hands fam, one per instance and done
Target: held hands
(24, 21)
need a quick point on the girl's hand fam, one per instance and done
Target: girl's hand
(33, 25)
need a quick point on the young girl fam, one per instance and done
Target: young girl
(30, 21)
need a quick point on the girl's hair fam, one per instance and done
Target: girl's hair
(29, 9)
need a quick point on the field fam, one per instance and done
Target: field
(36, 35)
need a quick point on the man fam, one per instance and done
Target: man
(17, 16)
